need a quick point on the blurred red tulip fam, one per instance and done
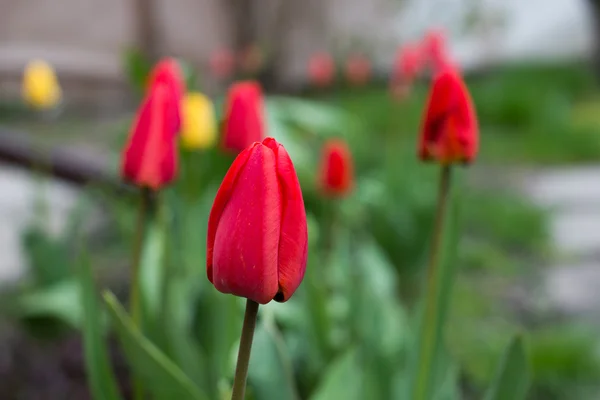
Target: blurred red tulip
(408, 63)
(222, 64)
(321, 69)
(435, 50)
(168, 71)
(251, 59)
(150, 156)
(449, 132)
(358, 69)
(257, 233)
(244, 116)
(337, 169)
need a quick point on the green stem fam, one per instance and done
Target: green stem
(241, 370)
(134, 292)
(429, 341)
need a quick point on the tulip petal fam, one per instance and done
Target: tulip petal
(246, 241)
(150, 157)
(294, 234)
(221, 199)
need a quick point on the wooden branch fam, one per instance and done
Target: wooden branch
(16, 149)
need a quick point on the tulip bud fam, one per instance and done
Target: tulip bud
(244, 119)
(449, 131)
(337, 171)
(358, 69)
(257, 232)
(40, 85)
(168, 71)
(222, 64)
(321, 69)
(199, 129)
(408, 63)
(150, 156)
(435, 52)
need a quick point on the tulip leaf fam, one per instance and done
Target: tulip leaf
(159, 375)
(101, 378)
(60, 300)
(513, 373)
(270, 372)
(342, 380)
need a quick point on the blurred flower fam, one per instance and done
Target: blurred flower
(435, 50)
(222, 63)
(408, 63)
(321, 69)
(449, 131)
(257, 232)
(41, 89)
(358, 69)
(337, 169)
(244, 116)
(199, 128)
(150, 156)
(251, 59)
(168, 71)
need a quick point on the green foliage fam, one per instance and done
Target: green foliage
(512, 377)
(353, 328)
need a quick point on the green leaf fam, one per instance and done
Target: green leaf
(137, 68)
(342, 380)
(155, 370)
(60, 300)
(101, 378)
(513, 374)
(270, 371)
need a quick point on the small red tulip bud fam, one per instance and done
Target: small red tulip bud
(337, 169)
(244, 116)
(150, 156)
(408, 63)
(257, 232)
(449, 132)
(358, 69)
(222, 64)
(168, 71)
(321, 69)
(435, 50)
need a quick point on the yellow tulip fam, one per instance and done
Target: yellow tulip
(40, 85)
(199, 128)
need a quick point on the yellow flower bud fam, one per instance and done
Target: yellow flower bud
(199, 128)
(40, 85)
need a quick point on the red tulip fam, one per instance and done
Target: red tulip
(449, 132)
(150, 156)
(244, 119)
(222, 64)
(321, 69)
(337, 171)
(408, 63)
(167, 71)
(358, 69)
(436, 53)
(257, 233)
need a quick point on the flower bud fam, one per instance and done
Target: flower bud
(244, 116)
(257, 233)
(337, 170)
(358, 69)
(150, 156)
(449, 132)
(199, 128)
(40, 86)
(321, 69)
(168, 71)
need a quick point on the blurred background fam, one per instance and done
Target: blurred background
(528, 258)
